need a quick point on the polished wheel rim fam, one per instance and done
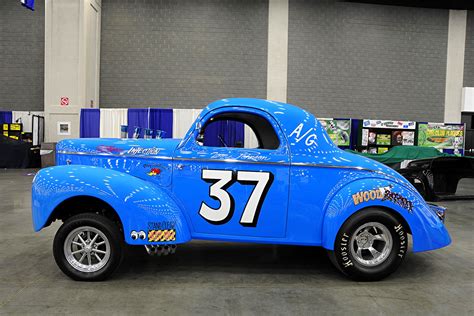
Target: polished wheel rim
(87, 249)
(371, 244)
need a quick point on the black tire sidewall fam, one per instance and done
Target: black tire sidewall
(101, 223)
(343, 258)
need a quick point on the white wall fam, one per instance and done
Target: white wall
(455, 65)
(72, 57)
(468, 99)
(277, 59)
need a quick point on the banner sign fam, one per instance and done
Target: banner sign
(441, 136)
(339, 130)
(30, 4)
(389, 124)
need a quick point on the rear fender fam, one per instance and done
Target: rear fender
(142, 206)
(427, 229)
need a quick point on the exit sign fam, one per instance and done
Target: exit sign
(30, 4)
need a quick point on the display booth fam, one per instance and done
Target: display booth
(339, 130)
(378, 136)
(448, 138)
(21, 134)
(362, 135)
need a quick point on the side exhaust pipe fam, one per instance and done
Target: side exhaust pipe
(160, 250)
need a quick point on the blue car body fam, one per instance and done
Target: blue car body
(299, 193)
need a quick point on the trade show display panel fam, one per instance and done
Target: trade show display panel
(362, 135)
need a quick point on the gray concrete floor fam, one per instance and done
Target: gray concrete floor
(222, 278)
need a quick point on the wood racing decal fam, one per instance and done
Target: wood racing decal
(383, 194)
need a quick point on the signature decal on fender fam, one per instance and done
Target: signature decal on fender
(383, 194)
(143, 151)
(164, 225)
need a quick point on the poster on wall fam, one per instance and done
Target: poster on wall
(365, 137)
(388, 124)
(397, 138)
(441, 136)
(372, 137)
(64, 128)
(403, 138)
(383, 139)
(339, 130)
(408, 138)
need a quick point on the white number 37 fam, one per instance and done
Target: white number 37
(221, 180)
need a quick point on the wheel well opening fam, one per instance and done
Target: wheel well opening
(84, 204)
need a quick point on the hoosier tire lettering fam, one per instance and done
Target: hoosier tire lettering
(403, 240)
(347, 262)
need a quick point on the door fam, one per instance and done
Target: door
(234, 186)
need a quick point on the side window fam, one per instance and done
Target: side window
(238, 130)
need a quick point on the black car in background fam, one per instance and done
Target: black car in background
(437, 178)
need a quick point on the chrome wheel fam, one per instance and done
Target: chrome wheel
(371, 244)
(87, 249)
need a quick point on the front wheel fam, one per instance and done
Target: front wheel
(88, 247)
(370, 245)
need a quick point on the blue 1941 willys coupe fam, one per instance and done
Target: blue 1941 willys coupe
(294, 186)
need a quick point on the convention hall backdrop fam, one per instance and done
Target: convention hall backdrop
(344, 59)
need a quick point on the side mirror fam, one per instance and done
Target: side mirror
(200, 138)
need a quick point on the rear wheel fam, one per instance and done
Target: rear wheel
(370, 245)
(88, 247)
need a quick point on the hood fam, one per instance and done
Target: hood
(145, 148)
(148, 159)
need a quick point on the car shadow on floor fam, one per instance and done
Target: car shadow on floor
(238, 258)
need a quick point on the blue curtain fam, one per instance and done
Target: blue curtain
(137, 118)
(231, 133)
(30, 4)
(90, 123)
(6, 117)
(162, 119)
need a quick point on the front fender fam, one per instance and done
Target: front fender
(140, 205)
(427, 229)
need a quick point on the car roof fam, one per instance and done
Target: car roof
(305, 134)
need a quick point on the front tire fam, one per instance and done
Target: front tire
(88, 247)
(370, 245)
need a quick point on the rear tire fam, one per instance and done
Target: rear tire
(370, 245)
(88, 247)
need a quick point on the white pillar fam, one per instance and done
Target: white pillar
(277, 63)
(455, 65)
(72, 62)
